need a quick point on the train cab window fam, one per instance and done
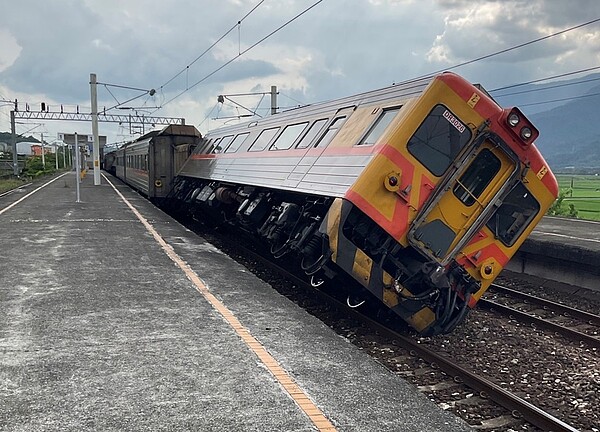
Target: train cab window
(314, 130)
(237, 142)
(513, 216)
(379, 126)
(477, 177)
(331, 131)
(223, 144)
(439, 140)
(263, 140)
(289, 135)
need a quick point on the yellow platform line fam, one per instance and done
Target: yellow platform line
(313, 412)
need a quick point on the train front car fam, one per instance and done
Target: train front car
(421, 192)
(454, 189)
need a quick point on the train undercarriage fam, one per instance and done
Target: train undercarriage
(329, 243)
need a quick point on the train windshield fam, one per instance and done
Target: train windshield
(518, 209)
(439, 140)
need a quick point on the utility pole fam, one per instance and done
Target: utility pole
(273, 100)
(96, 144)
(14, 143)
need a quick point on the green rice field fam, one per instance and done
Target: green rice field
(583, 191)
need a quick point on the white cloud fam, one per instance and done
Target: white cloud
(9, 51)
(332, 51)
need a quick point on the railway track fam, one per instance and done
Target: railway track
(11, 191)
(576, 325)
(514, 408)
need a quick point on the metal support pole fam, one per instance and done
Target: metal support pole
(14, 144)
(43, 151)
(273, 100)
(96, 145)
(77, 169)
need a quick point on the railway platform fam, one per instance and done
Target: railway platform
(563, 250)
(115, 317)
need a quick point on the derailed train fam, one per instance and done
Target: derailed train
(421, 191)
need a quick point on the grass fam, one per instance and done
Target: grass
(8, 184)
(584, 194)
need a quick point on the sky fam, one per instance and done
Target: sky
(49, 48)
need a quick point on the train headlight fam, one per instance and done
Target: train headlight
(526, 133)
(392, 181)
(489, 268)
(521, 129)
(513, 119)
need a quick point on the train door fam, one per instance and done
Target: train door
(453, 214)
(160, 153)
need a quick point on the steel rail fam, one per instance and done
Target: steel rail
(565, 310)
(567, 332)
(506, 399)
(534, 415)
(10, 191)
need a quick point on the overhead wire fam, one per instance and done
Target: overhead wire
(560, 100)
(236, 25)
(241, 53)
(521, 45)
(546, 79)
(547, 87)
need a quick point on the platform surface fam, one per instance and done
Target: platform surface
(103, 326)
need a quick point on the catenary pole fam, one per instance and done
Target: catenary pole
(43, 151)
(14, 143)
(77, 154)
(96, 145)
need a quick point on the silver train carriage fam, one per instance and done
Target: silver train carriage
(421, 191)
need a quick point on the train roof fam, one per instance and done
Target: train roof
(405, 90)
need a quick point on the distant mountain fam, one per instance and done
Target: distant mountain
(7, 138)
(570, 134)
(537, 98)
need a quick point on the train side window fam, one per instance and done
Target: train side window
(379, 126)
(262, 141)
(289, 135)
(513, 216)
(314, 130)
(477, 177)
(237, 142)
(223, 144)
(331, 131)
(438, 140)
(213, 145)
(205, 146)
